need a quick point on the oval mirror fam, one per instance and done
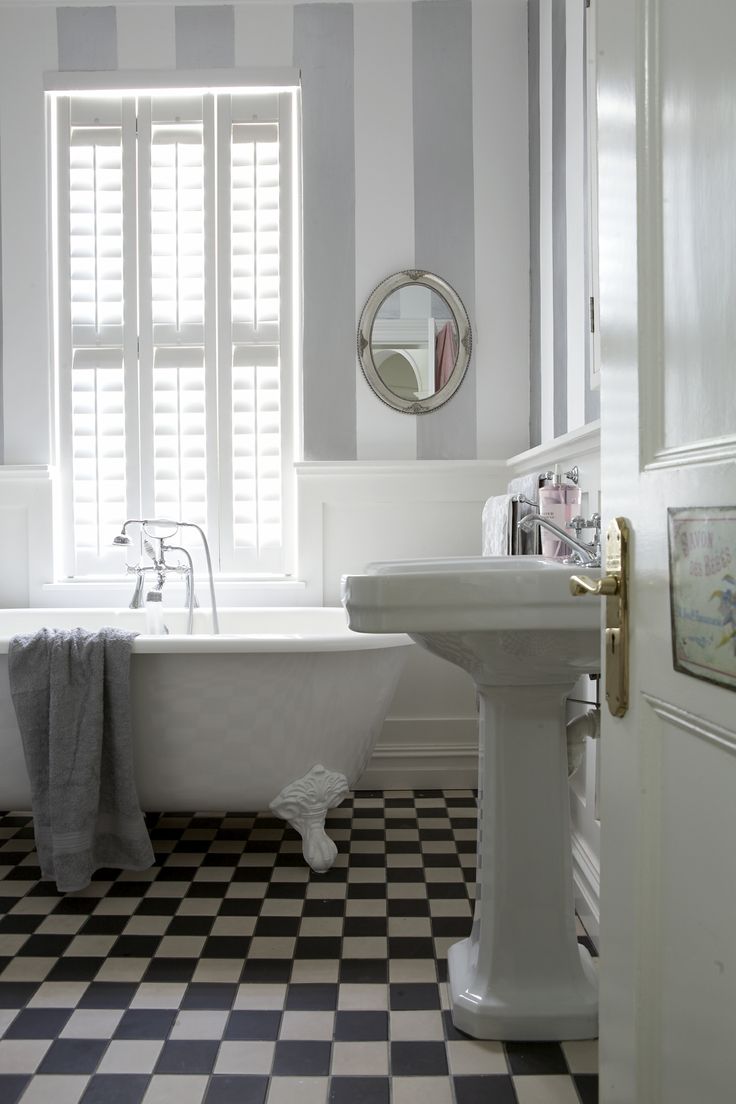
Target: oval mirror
(414, 341)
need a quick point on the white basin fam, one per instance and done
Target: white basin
(506, 620)
(513, 625)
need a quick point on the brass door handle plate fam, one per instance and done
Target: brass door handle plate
(614, 588)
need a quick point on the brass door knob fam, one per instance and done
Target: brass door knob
(581, 585)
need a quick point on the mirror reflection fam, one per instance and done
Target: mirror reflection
(414, 342)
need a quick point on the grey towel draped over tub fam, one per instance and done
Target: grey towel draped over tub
(70, 689)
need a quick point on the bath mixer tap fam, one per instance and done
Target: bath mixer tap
(588, 555)
(155, 547)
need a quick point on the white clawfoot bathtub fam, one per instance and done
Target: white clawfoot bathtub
(283, 709)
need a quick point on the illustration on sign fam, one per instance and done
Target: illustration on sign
(702, 543)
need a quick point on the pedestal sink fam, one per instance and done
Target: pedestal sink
(513, 625)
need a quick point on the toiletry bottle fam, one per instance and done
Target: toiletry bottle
(559, 502)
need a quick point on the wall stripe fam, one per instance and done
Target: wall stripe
(559, 214)
(28, 47)
(87, 38)
(575, 187)
(205, 37)
(546, 237)
(444, 225)
(146, 36)
(535, 358)
(384, 196)
(264, 34)
(2, 427)
(323, 49)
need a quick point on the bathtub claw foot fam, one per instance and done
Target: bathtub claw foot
(305, 804)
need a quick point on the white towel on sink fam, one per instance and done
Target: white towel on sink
(496, 525)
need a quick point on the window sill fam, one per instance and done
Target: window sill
(230, 590)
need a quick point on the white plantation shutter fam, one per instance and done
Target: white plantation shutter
(174, 305)
(92, 360)
(178, 369)
(254, 309)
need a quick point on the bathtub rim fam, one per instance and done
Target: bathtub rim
(344, 640)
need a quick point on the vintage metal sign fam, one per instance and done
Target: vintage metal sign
(702, 543)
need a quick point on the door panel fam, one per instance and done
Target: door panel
(667, 249)
(697, 105)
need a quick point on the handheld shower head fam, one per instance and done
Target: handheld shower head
(122, 539)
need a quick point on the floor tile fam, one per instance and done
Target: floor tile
(298, 1090)
(22, 1055)
(423, 1090)
(187, 1057)
(295, 1058)
(11, 1087)
(307, 1025)
(131, 1056)
(581, 1055)
(498, 1089)
(416, 1026)
(236, 1090)
(545, 1089)
(364, 1059)
(535, 1058)
(424, 1059)
(176, 1089)
(73, 1056)
(123, 1088)
(231, 973)
(361, 1026)
(38, 1023)
(587, 1086)
(359, 1090)
(245, 1057)
(55, 1089)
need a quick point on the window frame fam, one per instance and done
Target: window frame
(284, 85)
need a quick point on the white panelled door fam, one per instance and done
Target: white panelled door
(667, 235)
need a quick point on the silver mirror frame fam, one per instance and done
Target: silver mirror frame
(365, 328)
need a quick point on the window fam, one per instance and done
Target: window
(174, 238)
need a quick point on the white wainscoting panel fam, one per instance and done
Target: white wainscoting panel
(351, 514)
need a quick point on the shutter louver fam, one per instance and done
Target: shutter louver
(98, 447)
(257, 473)
(256, 373)
(179, 430)
(255, 232)
(95, 326)
(177, 232)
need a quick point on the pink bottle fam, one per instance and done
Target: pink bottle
(558, 502)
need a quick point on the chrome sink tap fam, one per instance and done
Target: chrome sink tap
(587, 555)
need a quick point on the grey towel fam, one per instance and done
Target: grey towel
(70, 689)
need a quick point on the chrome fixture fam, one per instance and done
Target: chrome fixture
(155, 548)
(588, 555)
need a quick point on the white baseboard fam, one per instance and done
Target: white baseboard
(424, 753)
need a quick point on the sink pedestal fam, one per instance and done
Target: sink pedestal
(522, 974)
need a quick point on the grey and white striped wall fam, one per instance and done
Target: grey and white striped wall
(561, 397)
(415, 155)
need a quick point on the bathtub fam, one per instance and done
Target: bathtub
(281, 710)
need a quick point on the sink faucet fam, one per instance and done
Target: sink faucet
(588, 555)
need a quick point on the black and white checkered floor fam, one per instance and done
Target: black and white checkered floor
(229, 973)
